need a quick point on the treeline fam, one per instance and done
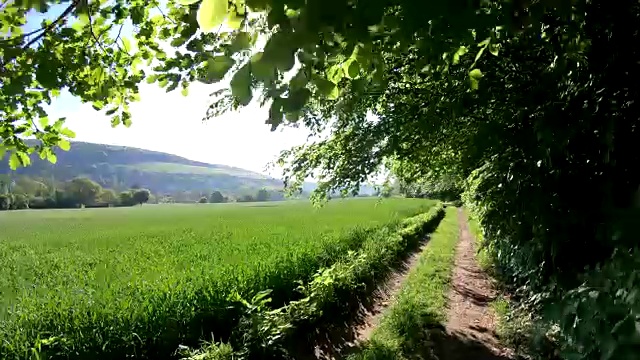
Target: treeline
(26, 193)
(261, 195)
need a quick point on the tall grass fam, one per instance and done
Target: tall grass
(116, 283)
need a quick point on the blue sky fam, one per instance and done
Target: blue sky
(173, 123)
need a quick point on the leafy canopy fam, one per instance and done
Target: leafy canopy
(296, 55)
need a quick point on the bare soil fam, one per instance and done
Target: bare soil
(386, 296)
(471, 326)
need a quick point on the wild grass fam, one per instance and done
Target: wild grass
(139, 282)
(405, 328)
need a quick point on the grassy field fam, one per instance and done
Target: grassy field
(141, 281)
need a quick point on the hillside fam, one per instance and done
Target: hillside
(120, 167)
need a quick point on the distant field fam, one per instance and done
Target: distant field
(174, 168)
(140, 281)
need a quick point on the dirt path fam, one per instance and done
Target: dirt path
(360, 330)
(470, 329)
(386, 296)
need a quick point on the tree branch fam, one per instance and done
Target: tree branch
(55, 23)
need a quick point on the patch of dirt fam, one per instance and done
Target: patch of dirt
(386, 296)
(470, 329)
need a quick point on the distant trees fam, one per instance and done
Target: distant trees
(141, 196)
(203, 200)
(108, 196)
(216, 197)
(5, 201)
(262, 195)
(126, 198)
(83, 191)
(22, 192)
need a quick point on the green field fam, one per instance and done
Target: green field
(141, 281)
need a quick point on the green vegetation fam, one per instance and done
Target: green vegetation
(530, 107)
(144, 280)
(119, 168)
(330, 298)
(420, 308)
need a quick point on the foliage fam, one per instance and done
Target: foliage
(407, 329)
(203, 200)
(109, 196)
(126, 198)
(5, 201)
(83, 191)
(146, 280)
(329, 297)
(216, 197)
(339, 46)
(524, 99)
(262, 195)
(141, 196)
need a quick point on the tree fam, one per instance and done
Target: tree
(203, 200)
(141, 196)
(516, 101)
(82, 191)
(126, 198)
(108, 69)
(262, 195)
(246, 198)
(5, 201)
(109, 196)
(20, 202)
(216, 197)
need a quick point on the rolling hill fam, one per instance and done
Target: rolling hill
(120, 167)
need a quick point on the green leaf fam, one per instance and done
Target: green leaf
(211, 14)
(51, 157)
(461, 51)
(234, 21)
(475, 74)
(126, 44)
(68, 133)
(335, 74)
(44, 121)
(241, 42)
(327, 88)
(185, 91)
(351, 68)
(494, 49)
(14, 161)
(65, 145)
(217, 68)
(241, 85)
(187, 2)
(261, 69)
(24, 158)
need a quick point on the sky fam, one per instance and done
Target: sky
(172, 123)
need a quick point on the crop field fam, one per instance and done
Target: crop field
(141, 281)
